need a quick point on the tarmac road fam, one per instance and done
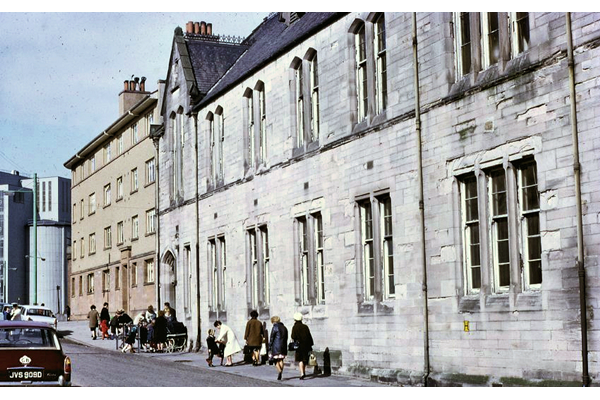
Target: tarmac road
(98, 363)
(97, 367)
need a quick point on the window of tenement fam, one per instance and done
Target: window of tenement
(480, 39)
(377, 258)
(506, 229)
(310, 263)
(258, 267)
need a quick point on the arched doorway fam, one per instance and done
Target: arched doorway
(169, 279)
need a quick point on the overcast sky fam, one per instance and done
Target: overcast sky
(61, 74)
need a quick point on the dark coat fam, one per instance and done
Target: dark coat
(214, 349)
(160, 329)
(301, 333)
(254, 333)
(104, 315)
(279, 338)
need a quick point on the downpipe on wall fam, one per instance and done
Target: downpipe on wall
(426, 366)
(577, 175)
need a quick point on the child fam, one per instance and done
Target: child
(213, 348)
(104, 329)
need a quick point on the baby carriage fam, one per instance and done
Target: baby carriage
(176, 337)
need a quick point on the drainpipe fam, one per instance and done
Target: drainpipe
(196, 166)
(156, 140)
(35, 255)
(426, 366)
(157, 201)
(577, 174)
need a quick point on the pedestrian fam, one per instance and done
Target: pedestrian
(114, 324)
(227, 337)
(104, 329)
(170, 319)
(6, 311)
(214, 349)
(93, 323)
(150, 334)
(160, 330)
(150, 313)
(278, 344)
(172, 311)
(130, 340)
(68, 312)
(15, 314)
(254, 336)
(104, 314)
(301, 334)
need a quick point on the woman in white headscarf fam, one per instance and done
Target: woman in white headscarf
(227, 337)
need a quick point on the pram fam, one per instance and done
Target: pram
(176, 337)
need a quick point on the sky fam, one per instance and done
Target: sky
(61, 74)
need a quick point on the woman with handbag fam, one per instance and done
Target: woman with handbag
(301, 334)
(278, 346)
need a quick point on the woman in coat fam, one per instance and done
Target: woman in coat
(227, 337)
(160, 330)
(254, 336)
(301, 334)
(278, 344)
(93, 316)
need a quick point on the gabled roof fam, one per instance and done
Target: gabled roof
(203, 59)
(269, 40)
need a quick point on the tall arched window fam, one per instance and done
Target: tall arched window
(360, 51)
(379, 45)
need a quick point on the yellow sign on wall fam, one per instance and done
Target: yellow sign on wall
(466, 326)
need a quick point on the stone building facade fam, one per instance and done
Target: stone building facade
(420, 187)
(113, 210)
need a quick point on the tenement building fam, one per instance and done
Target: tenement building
(113, 210)
(423, 188)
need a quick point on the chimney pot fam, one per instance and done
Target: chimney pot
(209, 29)
(189, 27)
(203, 28)
(143, 84)
(126, 85)
(196, 28)
(132, 85)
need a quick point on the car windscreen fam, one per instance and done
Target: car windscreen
(28, 337)
(39, 312)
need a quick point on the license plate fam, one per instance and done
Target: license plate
(25, 375)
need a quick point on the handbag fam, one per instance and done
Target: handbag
(312, 360)
(263, 349)
(293, 346)
(247, 350)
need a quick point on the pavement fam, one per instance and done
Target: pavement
(79, 332)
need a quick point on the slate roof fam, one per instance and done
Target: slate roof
(210, 60)
(269, 40)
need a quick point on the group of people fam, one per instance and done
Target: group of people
(12, 313)
(153, 327)
(225, 345)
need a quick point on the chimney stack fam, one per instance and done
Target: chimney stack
(134, 90)
(198, 28)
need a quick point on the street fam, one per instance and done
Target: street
(97, 367)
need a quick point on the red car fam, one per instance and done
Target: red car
(31, 355)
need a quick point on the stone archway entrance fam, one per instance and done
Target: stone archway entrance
(169, 279)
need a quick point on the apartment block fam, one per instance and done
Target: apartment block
(113, 210)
